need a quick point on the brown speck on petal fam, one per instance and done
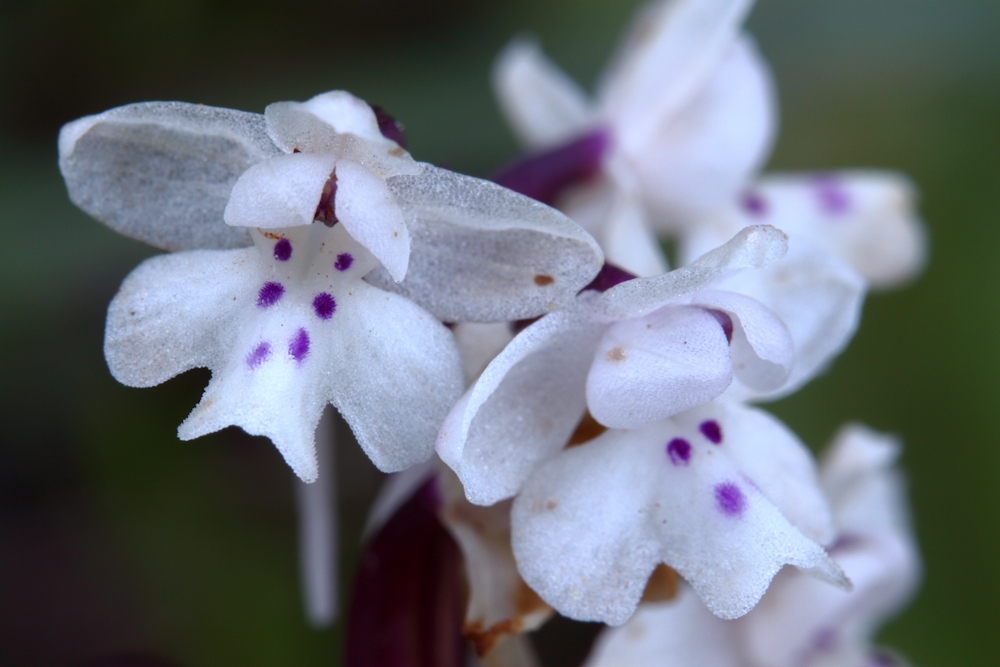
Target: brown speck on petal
(618, 354)
(541, 280)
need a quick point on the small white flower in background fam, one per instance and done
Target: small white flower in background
(684, 118)
(800, 622)
(631, 352)
(289, 325)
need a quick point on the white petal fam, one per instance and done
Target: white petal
(523, 408)
(482, 253)
(543, 106)
(753, 247)
(161, 172)
(799, 620)
(867, 218)
(280, 192)
(340, 124)
(671, 51)
(650, 368)
(682, 632)
(394, 377)
(703, 157)
(171, 313)
(817, 297)
(591, 525)
(367, 209)
(762, 348)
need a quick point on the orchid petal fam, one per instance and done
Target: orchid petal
(650, 368)
(479, 344)
(762, 348)
(543, 105)
(680, 632)
(161, 172)
(817, 297)
(591, 525)
(799, 621)
(753, 247)
(364, 205)
(703, 157)
(340, 124)
(282, 191)
(666, 59)
(523, 408)
(865, 217)
(482, 253)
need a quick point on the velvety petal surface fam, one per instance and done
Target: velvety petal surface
(523, 408)
(541, 104)
(649, 368)
(591, 525)
(282, 191)
(161, 172)
(482, 253)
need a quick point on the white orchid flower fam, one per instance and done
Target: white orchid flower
(799, 622)
(290, 324)
(631, 352)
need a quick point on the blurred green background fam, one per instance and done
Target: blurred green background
(116, 536)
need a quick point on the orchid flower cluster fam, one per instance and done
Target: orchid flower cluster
(574, 426)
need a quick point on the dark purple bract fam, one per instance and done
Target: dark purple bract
(609, 276)
(270, 294)
(389, 126)
(546, 175)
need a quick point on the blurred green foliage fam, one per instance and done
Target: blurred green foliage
(115, 536)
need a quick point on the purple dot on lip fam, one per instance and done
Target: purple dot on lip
(679, 451)
(259, 355)
(830, 193)
(298, 347)
(344, 261)
(824, 640)
(283, 250)
(269, 294)
(753, 203)
(711, 430)
(324, 305)
(729, 499)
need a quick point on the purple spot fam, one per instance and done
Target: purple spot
(269, 294)
(609, 276)
(729, 499)
(830, 193)
(260, 354)
(283, 250)
(711, 430)
(389, 126)
(344, 261)
(679, 451)
(544, 176)
(325, 210)
(824, 640)
(299, 345)
(325, 306)
(844, 542)
(753, 203)
(724, 321)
